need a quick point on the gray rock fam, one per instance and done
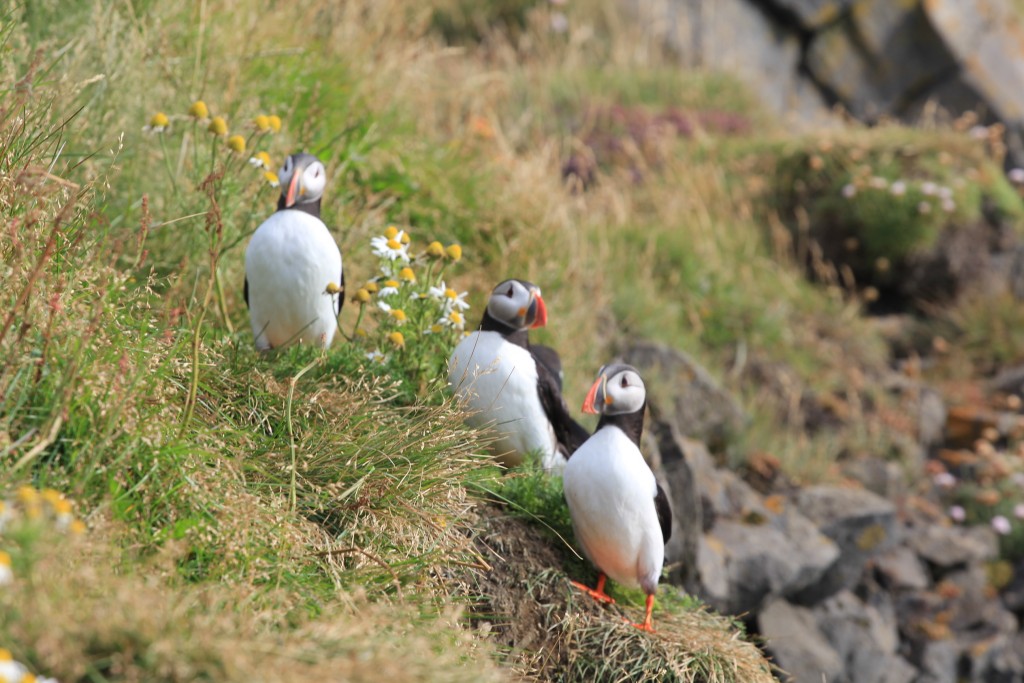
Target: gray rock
(815, 13)
(865, 638)
(861, 524)
(877, 475)
(946, 547)
(1009, 380)
(877, 56)
(937, 662)
(761, 561)
(683, 393)
(900, 569)
(793, 638)
(931, 418)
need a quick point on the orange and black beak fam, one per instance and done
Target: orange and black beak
(597, 396)
(294, 191)
(537, 313)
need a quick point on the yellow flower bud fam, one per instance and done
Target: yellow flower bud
(451, 293)
(454, 252)
(27, 494)
(27, 678)
(77, 526)
(272, 178)
(405, 237)
(262, 123)
(51, 496)
(391, 283)
(371, 286)
(435, 249)
(218, 126)
(399, 315)
(159, 121)
(5, 561)
(236, 143)
(62, 506)
(394, 244)
(397, 339)
(456, 318)
(362, 296)
(262, 159)
(391, 232)
(437, 328)
(199, 110)
(275, 123)
(407, 274)
(361, 333)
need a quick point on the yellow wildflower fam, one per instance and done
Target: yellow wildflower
(454, 252)
(236, 143)
(262, 123)
(405, 237)
(275, 123)
(199, 110)
(5, 654)
(399, 315)
(397, 339)
(391, 232)
(371, 286)
(272, 178)
(362, 296)
(435, 249)
(407, 274)
(158, 123)
(77, 526)
(62, 506)
(51, 496)
(27, 495)
(218, 126)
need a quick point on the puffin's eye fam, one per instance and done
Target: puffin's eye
(316, 172)
(509, 292)
(625, 383)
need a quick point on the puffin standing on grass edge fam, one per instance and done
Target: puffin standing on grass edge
(294, 280)
(506, 386)
(620, 514)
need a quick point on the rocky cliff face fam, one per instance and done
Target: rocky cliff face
(902, 59)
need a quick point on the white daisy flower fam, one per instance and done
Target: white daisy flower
(375, 356)
(390, 248)
(260, 160)
(929, 189)
(384, 306)
(898, 188)
(449, 297)
(454, 320)
(390, 287)
(6, 576)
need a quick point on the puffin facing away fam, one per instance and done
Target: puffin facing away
(505, 386)
(620, 514)
(294, 281)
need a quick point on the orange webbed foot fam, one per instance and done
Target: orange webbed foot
(596, 593)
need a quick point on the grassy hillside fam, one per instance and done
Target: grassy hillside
(178, 507)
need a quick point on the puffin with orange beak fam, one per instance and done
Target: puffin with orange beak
(294, 280)
(620, 514)
(505, 386)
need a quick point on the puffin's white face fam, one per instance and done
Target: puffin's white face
(303, 179)
(618, 390)
(518, 304)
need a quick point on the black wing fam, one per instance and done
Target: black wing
(569, 434)
(245, 292)
(549, 358)
(664, 513)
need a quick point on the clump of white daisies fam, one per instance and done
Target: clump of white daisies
(417, 317)
(30, 506)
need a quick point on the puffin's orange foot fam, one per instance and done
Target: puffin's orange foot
(644, 627)
(598, 594)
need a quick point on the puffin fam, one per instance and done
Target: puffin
(506, 385)
(620, 515)
(294, 279)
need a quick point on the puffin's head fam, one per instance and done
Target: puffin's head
(303, 178)
(618, 390)
(518, 304)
